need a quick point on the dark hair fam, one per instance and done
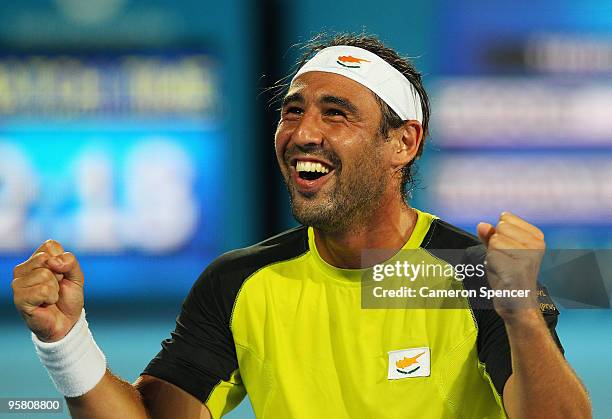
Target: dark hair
(390, 119)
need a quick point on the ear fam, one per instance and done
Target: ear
(405, 143)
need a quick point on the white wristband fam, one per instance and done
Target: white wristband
(74, 363)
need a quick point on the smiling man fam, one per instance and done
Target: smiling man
(282, 321)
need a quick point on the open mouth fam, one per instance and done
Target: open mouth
(310, 175)
(310, 170)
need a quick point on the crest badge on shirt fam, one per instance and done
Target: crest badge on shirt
(409, 363)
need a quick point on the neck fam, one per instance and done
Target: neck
(388, 227)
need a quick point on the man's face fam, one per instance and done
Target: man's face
(330, 151)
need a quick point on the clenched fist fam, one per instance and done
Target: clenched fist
(48, 291)
(514, 253)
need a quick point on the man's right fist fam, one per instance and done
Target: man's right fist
(48, 291)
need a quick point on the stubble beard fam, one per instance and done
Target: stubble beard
(348, 204)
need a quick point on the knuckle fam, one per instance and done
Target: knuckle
(47, 244)
(40, 256)
(54, 285)
(51, 245)
(43, 289)
(502, 225)
(68, 257)
(46, 274)
(30, 264)
(494, 240)
(15, 285)
(54, 297)
(50, 242)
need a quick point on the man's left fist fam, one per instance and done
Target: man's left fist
(514, 252)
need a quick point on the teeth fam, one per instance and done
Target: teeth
(307, 166)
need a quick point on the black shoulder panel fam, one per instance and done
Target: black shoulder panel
(442, 235)
(231, 269)
(443, 240)
(201, 352)
(286, 245)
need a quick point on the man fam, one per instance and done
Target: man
(282, 320)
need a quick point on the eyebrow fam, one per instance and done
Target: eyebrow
(341, 102)
(294, 97)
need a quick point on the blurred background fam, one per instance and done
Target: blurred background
(139, 134)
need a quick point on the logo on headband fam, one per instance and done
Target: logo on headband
(350, 61)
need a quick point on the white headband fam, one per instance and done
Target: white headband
(373, 72)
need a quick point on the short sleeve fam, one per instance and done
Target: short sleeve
(492, 342)
(200, 355)
(494, 348)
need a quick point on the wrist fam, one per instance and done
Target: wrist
(75, 363)
(54, 338)
(524, 319)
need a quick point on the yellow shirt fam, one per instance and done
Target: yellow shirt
(277, 322)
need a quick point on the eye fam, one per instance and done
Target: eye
(293, 110)
(335, 112)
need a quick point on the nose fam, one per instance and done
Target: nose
(309, 131)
